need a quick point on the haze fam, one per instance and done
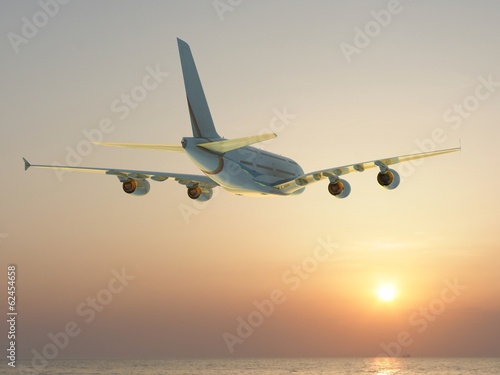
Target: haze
(429, 79)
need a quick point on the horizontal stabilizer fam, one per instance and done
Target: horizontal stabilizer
(170, 148)
(233, 144)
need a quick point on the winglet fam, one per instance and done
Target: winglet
(26, 164)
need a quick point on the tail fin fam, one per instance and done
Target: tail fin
(201, 119)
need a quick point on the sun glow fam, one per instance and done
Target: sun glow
(386, 292)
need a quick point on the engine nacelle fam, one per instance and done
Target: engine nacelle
(136, 187)
(389, 180)
(199, 194)
(339, 189)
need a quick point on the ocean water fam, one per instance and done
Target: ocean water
(281, 366)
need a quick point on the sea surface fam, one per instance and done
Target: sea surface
(281, 366)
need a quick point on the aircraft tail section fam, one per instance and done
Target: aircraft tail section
(232, 144)
(201, 119)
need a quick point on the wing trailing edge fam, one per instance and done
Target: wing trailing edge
(316, 176)
(158, 147)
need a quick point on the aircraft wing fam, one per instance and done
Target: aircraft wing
(126, 174)
(159, 147)
(316, 176)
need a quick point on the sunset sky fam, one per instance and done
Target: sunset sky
(240, 276)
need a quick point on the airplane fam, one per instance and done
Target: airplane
(233, 164)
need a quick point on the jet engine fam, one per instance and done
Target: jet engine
(389, 179)
(199, 194)
(339, 188)
(136, 187)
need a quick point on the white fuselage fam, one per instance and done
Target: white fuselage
(245, 171)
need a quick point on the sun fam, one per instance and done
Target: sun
(386, 292)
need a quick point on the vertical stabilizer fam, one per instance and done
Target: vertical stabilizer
(201, 119)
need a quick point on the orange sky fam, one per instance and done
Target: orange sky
(193, 278)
